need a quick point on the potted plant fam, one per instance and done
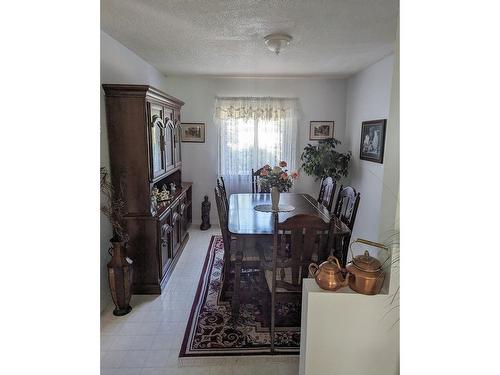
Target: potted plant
(324, 161)
(276, 180)
(120, 266)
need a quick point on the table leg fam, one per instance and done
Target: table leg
(235, 302)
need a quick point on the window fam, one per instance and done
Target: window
(254, 132)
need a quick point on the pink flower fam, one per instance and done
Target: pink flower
(264, 172)
(295, 174)
(282, 164)
(284, 176)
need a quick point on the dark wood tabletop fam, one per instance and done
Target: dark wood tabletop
(245, 220)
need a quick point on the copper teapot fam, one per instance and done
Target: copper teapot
(328, 274)
(366, 275)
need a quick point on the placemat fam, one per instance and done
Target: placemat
(268, 208)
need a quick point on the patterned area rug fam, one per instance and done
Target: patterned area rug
(212, 330)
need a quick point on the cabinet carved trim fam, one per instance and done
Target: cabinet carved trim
(176, 217)
(165, 230)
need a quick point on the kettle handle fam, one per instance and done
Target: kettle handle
(331, 258)
(370, 243)
(311, 267)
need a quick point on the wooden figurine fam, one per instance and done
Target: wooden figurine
(205, 214)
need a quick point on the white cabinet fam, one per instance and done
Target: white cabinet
(345, 333)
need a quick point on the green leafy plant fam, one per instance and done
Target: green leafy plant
(324, 161)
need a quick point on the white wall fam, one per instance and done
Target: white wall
(389, 211)
(320, 99)
(118, 65)
(368, 98)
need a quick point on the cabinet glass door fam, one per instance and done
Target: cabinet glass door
(169, 138)
(177, 143)
(169, 145)
(157, 141)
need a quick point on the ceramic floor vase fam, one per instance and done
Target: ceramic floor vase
(120, 278)
(275, 198)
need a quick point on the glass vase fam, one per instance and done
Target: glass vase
(275, 198)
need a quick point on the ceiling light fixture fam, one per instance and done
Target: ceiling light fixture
(277, 42)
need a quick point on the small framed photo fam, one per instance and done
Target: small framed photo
(193, 132)
(321, 130)
(372, 141)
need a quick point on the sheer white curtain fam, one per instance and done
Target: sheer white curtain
(254, 132)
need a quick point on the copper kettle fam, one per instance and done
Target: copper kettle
(366, 275)
(327, 274)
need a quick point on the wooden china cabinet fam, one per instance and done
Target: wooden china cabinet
(145, 152)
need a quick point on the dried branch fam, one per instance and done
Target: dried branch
(114, 207)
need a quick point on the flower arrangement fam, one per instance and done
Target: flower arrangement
(277, 177)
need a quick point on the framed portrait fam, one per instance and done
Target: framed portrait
(372, 141)
(193, 132)
(320, 130)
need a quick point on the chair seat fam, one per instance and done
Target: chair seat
(287, 279)
(253, 249)
(250, 253)
(267, 255)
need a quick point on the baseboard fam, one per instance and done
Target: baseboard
(237, 360)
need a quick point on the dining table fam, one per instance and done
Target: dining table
(245, 220)
(246, 223)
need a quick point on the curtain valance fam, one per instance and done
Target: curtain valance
(261, 108)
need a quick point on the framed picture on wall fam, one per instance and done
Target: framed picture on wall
(372, 141)
(193, 132)
(320, 130)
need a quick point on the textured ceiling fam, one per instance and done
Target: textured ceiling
(225, 38)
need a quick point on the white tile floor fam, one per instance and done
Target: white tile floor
(147, 341)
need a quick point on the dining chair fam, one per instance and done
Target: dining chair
(255, 174)
(295, 241)
(327, 192)
(346, 209)
(255, 184)
(234, 253)
(222, 186)
(222, 183)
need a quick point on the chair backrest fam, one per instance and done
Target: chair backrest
(255, 174)
(327, 192)
(222, 184)
(255, 185)
(222, 187)
(223, 217)
(346, 206)
(296, 240)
